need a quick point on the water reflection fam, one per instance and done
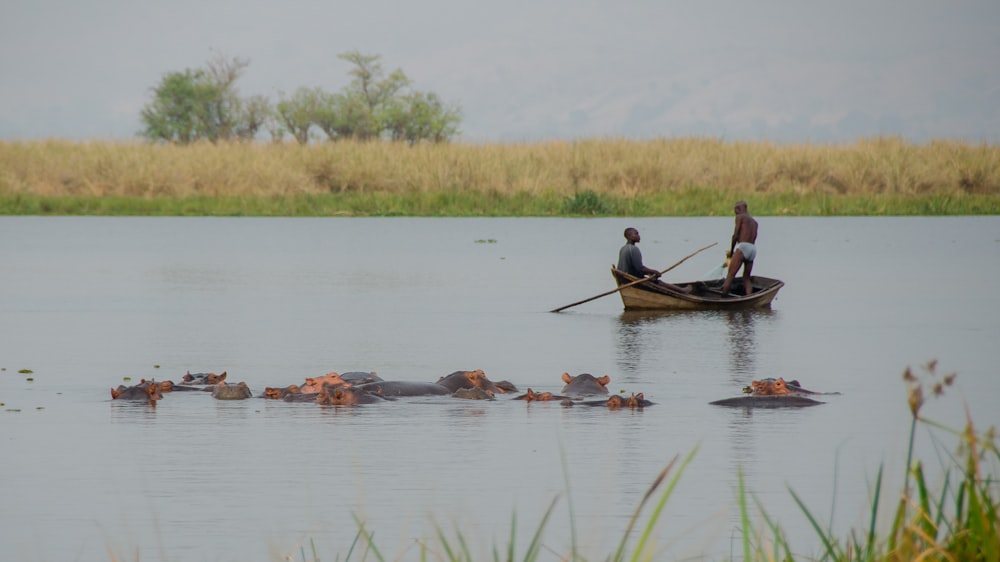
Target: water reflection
(741, 435)
(742, 340)
(643, 332)
(630, 341)
(133, 411)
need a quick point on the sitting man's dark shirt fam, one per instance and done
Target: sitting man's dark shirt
(630, 260)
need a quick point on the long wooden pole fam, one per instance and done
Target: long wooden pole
(643, 280)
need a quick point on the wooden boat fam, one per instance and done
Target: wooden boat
(705, 295)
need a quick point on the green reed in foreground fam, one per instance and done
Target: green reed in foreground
(957, 522)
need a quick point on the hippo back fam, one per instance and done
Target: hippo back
(585, 384)
(403, 388)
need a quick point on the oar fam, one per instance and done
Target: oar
(636, 282)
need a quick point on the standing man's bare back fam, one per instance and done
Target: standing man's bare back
(743, 248)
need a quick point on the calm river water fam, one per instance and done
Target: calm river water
(85, 302)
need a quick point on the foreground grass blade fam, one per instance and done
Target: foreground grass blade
(828, 541)
(744, 516)
(369, 539)
(620, 552)
(640, 547)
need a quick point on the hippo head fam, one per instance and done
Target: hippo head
(636, 400)
(225, 391)
(316, 384)
(204, 378)
(279, 393)
(616, 401)
(585, 383)
(532, 396)
(153, 393)
(335, 395)
(469, 379)
(770, 387)
(148, 390)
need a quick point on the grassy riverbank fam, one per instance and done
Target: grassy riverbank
(610, 177)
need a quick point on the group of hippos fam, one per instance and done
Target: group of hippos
(357, 387)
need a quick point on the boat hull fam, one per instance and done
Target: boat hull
(706, 295)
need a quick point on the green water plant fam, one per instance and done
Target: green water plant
(958, 522)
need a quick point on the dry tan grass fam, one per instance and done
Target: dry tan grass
(616, 167)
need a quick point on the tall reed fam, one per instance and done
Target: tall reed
(619, 168)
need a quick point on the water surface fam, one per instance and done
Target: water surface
(87, 301)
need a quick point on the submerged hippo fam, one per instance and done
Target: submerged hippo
(404, 388)
(316, 384)
(585, 384)
(301, 397)
(360, 377)
(171, 386)
(346, 396)
(772, 393)
(204, 378)
(277, 393)
(506, 386)
(227, 391)
(145, 390)
(532, 396)
(474, 393)
(469, 379)
(617, 402)
(447, 384)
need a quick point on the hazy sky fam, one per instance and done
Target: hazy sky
(785, 71)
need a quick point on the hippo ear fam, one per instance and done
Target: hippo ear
(604, 380)
(566, 378)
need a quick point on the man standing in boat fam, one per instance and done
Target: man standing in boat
(630, 261)
(743, 248)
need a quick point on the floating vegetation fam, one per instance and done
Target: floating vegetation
(126, 378)
(25, 371)
(30, 379)
(156, 366)
(486, 241)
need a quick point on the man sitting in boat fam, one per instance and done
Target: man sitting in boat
(743, 248)
(630, 261)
